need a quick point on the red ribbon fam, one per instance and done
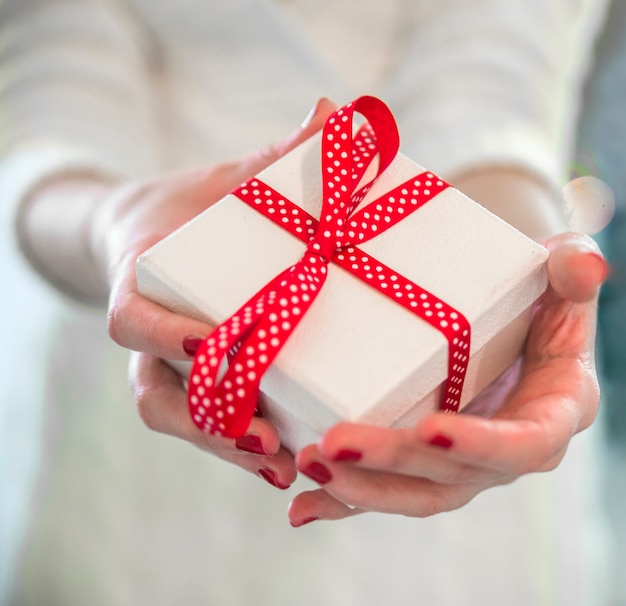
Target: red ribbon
(222, 400)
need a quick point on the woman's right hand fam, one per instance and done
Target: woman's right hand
(129, 220)
(85, 235)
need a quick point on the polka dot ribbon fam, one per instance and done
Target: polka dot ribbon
(230, 363)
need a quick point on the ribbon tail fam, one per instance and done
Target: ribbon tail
(209, 404)
(228, 367)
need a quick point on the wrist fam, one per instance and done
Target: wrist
(54, 228)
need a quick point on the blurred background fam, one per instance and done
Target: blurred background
(39, 427)
(602, 153)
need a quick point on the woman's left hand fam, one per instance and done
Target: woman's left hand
(446, 460)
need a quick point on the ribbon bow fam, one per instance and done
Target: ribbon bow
(229, 365)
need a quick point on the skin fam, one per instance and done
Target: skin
(549, 396)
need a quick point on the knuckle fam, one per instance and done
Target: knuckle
(544, 460)
(128, 328)
(269, 153)
(430, 507)
(145, 409)
(590, 411)
(113, 321)
(530, 464)
(433, 503)
(554, 461)
(441, 499)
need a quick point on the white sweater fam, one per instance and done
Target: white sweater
(132, 87)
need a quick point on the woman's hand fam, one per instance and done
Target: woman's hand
(130, 220)
(446, 460)
(132, 217)
(85, 236)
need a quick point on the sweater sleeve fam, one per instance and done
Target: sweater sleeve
(75, 82)
(494, 83)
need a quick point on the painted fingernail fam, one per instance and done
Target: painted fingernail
(441, 441)
(304, 521)
(191, 344)
(270, 477)
(348, 455)
(250, 443)
(317, 472)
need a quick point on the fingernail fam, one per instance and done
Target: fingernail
(348, 455)
(317, 472)
(441, 441)
(310, 115)
(270, 477)
(191, 344)
(251, 443)
(600, 264)
(304, 521)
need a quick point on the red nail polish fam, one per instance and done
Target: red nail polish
(191, 344)
(250, 443)
(303, 522)
(317, 472)
(270, 477)
(441, 441)
(348, 455)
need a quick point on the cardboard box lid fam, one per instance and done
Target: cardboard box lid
(355, 348)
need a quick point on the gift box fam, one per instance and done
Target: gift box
(356, 354)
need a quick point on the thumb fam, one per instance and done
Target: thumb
(257, 161)
(576, 266)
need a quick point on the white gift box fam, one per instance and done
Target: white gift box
(356, 355)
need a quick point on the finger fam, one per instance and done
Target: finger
(313, 505)
(385, 492)
(162, 402)
(559, 358)
(557, 397)
(313, 123)
(138, 324)
(162, 405)
(534, 442)
(576, 266)
(397, 451)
